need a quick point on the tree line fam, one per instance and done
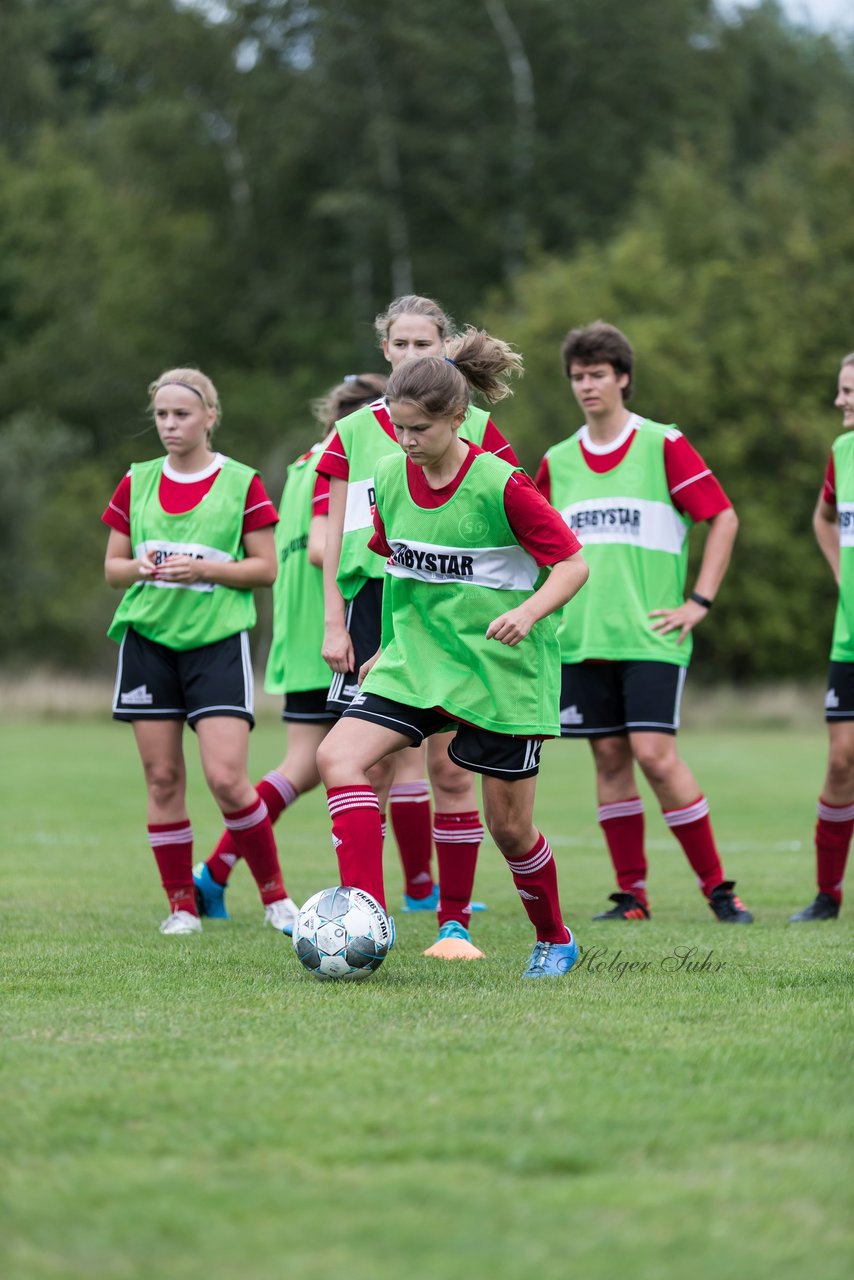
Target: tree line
(243, 184)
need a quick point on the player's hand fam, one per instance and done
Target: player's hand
(684, 619)
(146, 566)
(366, 666)
(181, 569)
(337, 649)
(510, 627)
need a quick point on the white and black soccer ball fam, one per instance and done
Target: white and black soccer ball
(342, 933)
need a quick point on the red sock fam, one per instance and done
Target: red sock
(832, 842)
(535, 877)
(693, 830)
(252, 833)
(458, 837)
(409, 810)
(277, 793)
(172, 845)
(623, 828)
(357, 837)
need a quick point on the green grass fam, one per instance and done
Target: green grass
(201, 1107)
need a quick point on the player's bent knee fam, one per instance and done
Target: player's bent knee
(613, 757)
(302, 774)
(229, 789)
(329, 759)
(658, 761)
(510, 832)
(164, 782)
(337, 763)
(840, 770)
(381, 775)
(451, 781)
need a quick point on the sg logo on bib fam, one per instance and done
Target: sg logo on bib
(473, 527)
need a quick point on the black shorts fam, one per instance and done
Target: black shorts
(499, 755)
(839, 699)
(154, 682)
(308, 706)
(598, 699)
(363, 620)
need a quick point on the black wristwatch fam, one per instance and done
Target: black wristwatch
(703, 600)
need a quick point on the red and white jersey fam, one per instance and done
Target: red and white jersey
(320, 500)
(828, 489)
(320, 496)
(536, 526)
(694, 490)
(336, 464)
(179, 493)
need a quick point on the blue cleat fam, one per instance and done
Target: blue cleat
(453, 929)
(210, 896)
(430, 903)
(552, 959)
(454, 943)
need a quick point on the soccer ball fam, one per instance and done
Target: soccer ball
(342, 933)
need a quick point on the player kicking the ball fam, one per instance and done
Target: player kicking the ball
(476, 564)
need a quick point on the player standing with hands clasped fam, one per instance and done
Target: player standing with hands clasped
(190, 536)
(631, 489)
(476, 564)
(834, 530)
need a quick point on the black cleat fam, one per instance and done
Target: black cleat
(825, 907)
(727, 907)
(626, 907)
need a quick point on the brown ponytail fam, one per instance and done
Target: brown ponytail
(440, 386)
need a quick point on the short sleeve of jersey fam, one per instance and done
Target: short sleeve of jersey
(378, 541)
(543, 480)
(259, 511)
(828, 489)
(494, 442)
(320, 500)
(117, 514)
(535, 523)
(694, 490)
(334, 462)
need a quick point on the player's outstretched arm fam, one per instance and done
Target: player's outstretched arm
(825, 523)
(717, 554)
(566, 578)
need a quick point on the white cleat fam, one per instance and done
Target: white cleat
(181, 922)
(282, 915)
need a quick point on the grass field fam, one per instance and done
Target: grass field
(201, 1107)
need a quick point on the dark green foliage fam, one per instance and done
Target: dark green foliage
(243, 185)
(740, 311)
